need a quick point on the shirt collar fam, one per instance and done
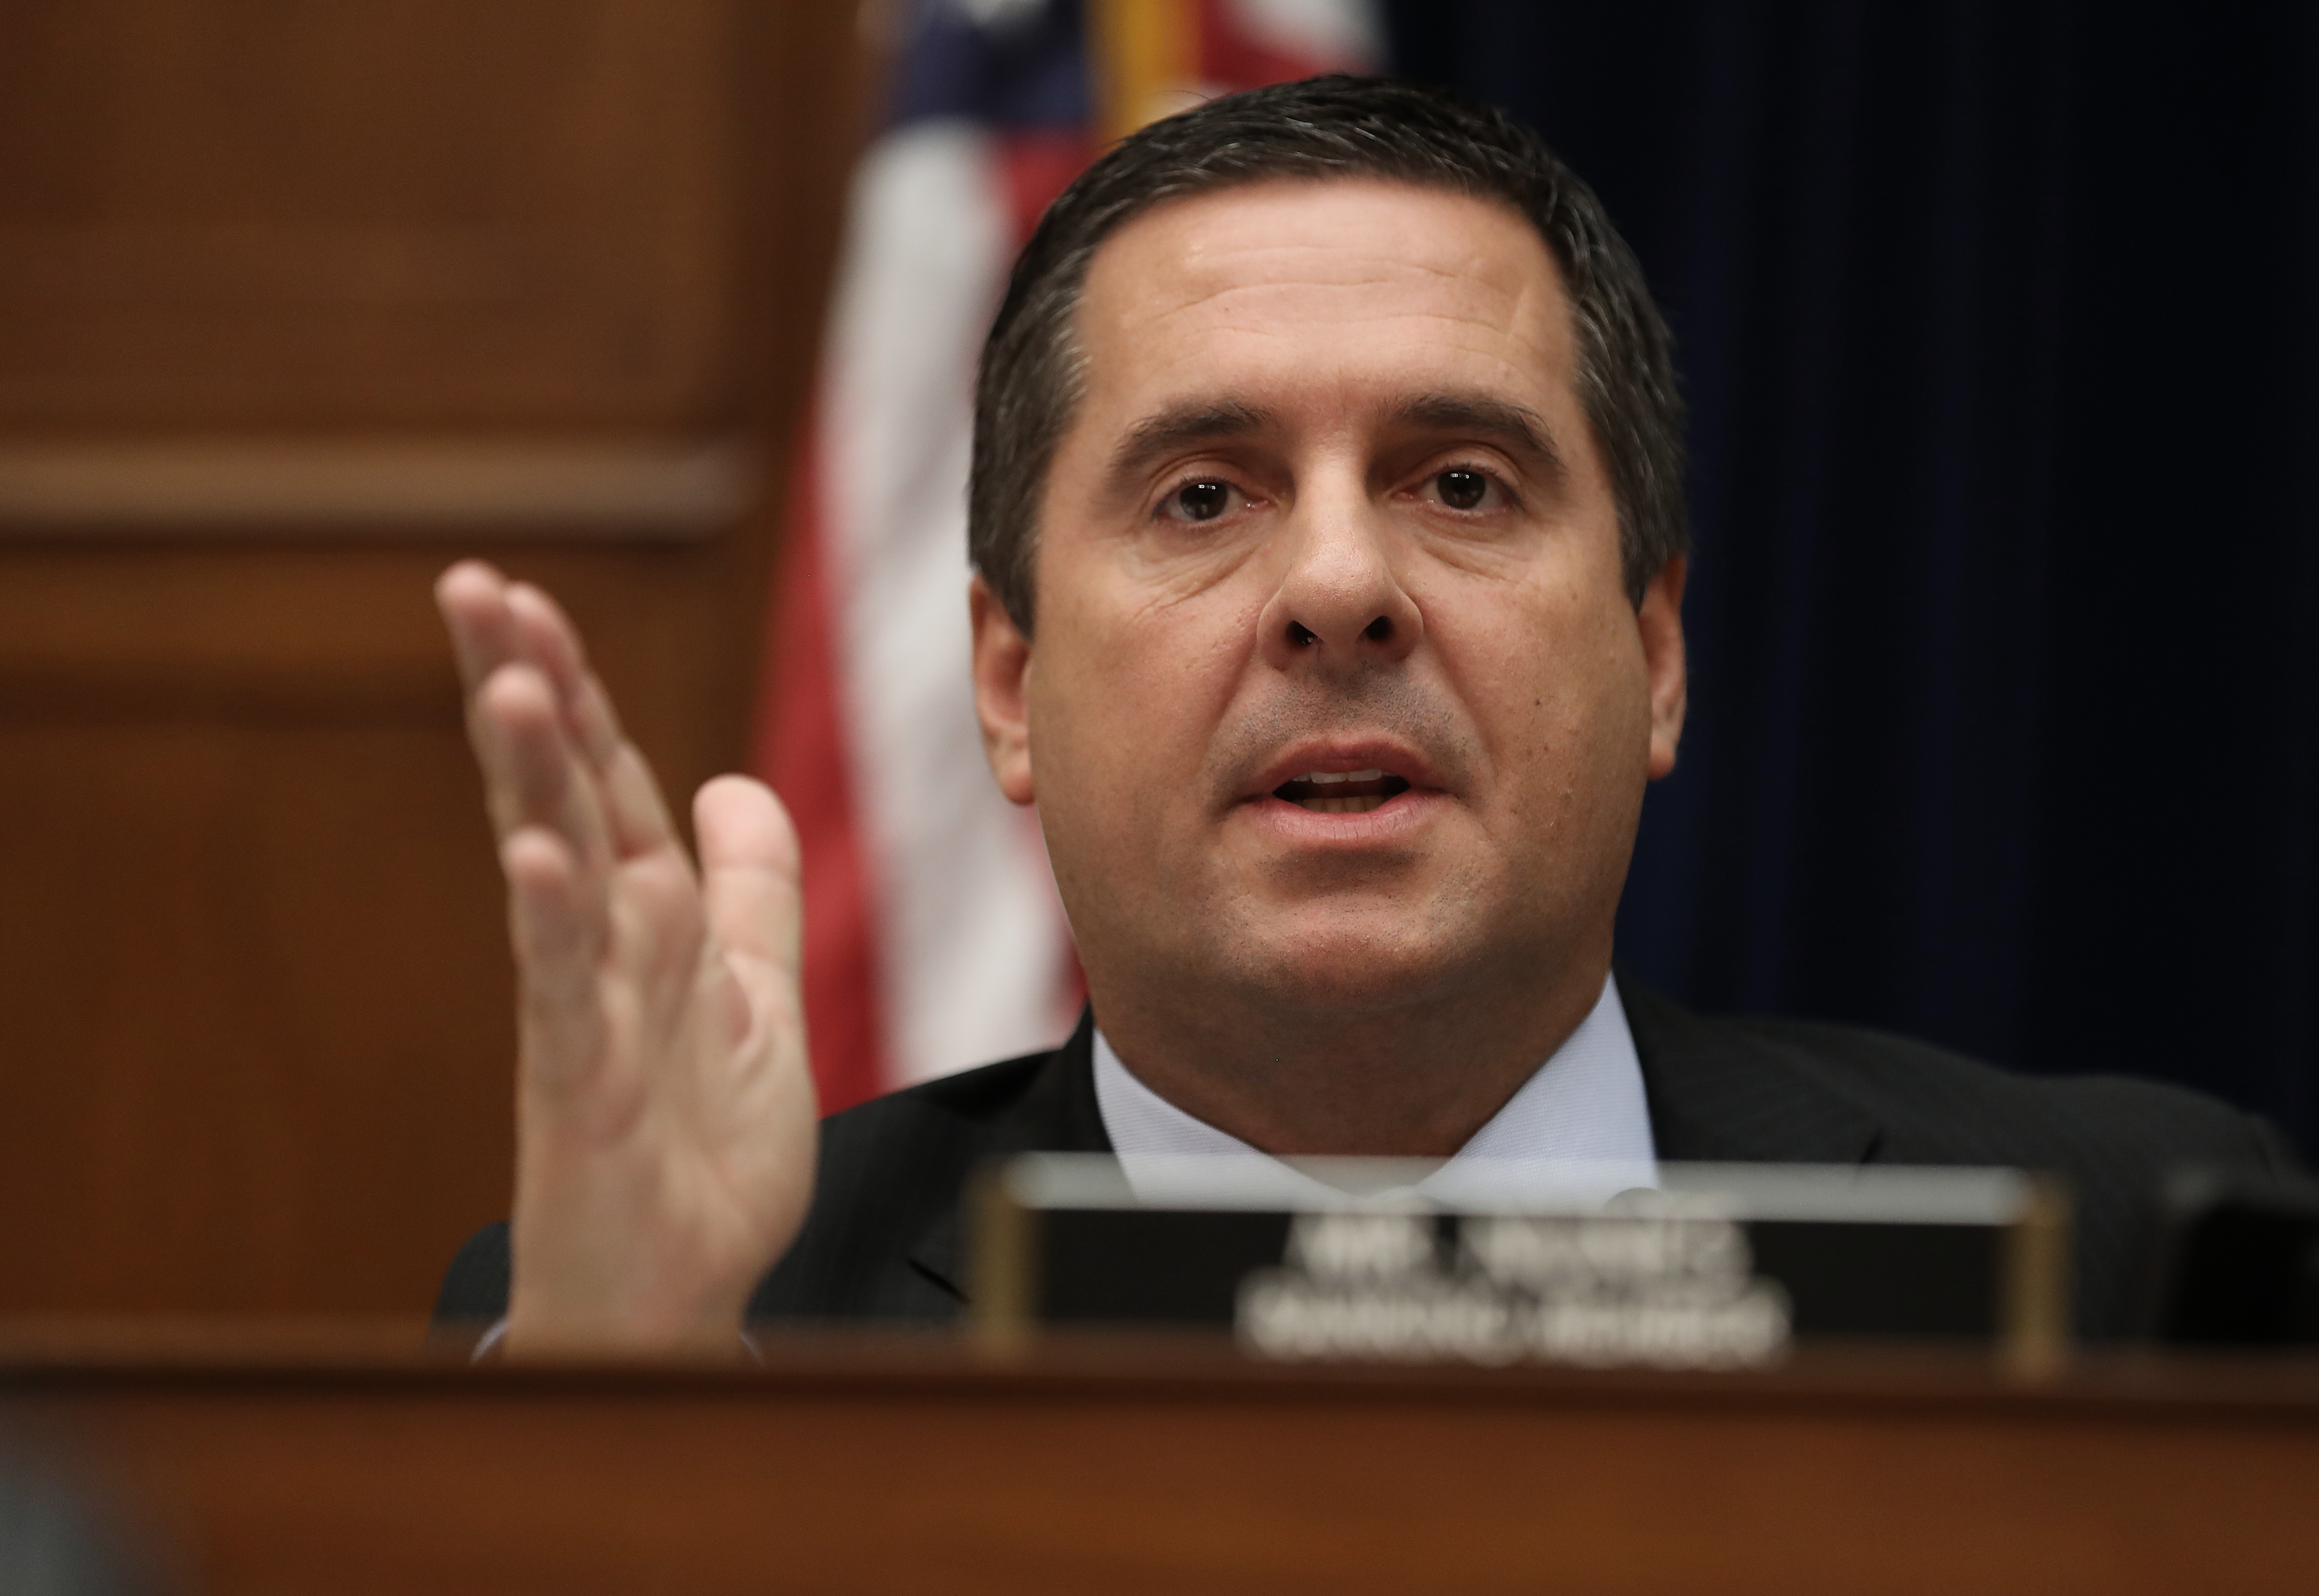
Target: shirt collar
(1579, 1125)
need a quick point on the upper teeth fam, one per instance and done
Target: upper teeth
(1324, 778)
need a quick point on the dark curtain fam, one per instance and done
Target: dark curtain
(1999, 324)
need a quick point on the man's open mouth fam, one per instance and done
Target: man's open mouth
(1349, 792)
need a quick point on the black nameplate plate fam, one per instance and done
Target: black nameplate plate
(1720, 1269)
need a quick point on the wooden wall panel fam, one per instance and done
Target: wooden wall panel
(255, 998)
(314, 214)
(265, 1062)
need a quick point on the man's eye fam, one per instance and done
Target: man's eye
(1461, 489)
(1200, 501)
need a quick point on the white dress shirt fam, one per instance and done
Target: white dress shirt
(1579, 1128)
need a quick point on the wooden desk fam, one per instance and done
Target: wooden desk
(340, 1460)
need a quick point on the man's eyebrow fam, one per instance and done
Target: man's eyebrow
(1179, 426)
(1515, 428)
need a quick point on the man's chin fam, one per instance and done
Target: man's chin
(1352, 970)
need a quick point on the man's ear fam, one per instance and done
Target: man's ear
(1002, 679)
(1660, 620)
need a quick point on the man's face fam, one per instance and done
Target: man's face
(1335, 699)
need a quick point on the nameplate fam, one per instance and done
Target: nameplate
(1719, 1267)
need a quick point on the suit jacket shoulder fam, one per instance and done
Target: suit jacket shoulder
(1757, 1090)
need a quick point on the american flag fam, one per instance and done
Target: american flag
(933, 939)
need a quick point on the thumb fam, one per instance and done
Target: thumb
(749, 871)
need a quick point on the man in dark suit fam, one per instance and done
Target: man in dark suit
(1329, 554)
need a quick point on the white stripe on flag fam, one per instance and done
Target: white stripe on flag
(1331, 35)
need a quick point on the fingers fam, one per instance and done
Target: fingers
(471, 598)
(531, 775)
(495, 622)
(749, 871)
(547, 637)
(559, 930)
(631, 798)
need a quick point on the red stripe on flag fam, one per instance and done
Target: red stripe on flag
(1035, 168)
(801, 750)
(1231, 58)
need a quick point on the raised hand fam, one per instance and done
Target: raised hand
(664, 1113)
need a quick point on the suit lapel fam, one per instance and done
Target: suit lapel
(1058, 1113)
(1721, 1093)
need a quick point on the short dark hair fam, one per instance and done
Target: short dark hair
(1337, 126)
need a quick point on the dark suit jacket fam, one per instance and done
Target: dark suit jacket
(886, 1239)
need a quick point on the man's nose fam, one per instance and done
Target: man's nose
(1340, 601)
